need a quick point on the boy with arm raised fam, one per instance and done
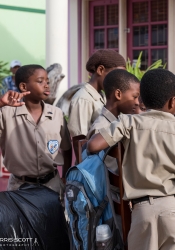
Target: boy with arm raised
(33, 137)
(148, 164)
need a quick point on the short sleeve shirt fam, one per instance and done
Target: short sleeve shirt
(102, 121)
(85, 107)
(31, 149)
(149, 158)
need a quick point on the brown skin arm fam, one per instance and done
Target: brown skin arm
(75, 143)
(67, 155)
(96, 143)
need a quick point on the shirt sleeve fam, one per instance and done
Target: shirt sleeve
(80, 116)
(66, 140)
(117, 130)
(94, 129)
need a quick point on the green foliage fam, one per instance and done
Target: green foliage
(3, 70)
(3, 73)
(66, 118)
(135, 69)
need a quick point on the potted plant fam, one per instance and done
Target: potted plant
(135, 69)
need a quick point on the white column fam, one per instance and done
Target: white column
(57, 37)
(85, 39)
(171, 35)
(73, 43)
(123, 28)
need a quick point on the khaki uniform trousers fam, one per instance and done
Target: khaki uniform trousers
(55, 184)
(153, 225)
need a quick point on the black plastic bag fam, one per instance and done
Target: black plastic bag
(32, 218)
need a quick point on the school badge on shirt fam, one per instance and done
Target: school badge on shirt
(53, 146)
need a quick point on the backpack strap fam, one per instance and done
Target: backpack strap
(75, 226)
(75, 185)
(98, 215)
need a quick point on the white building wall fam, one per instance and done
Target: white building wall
(85, 39)
(171, 35)
(123, 28)
(73, 43)
(57, 37)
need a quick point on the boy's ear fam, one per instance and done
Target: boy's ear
(171, 104)
(100, 70)
(23, 87)
(118, 94)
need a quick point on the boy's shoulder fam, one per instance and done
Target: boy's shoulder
(149, 120)
(87, 93)
(81, 94)
(102, 121)
(8, 109)
(50, 109)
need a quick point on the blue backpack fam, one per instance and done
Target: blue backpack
(89, 204)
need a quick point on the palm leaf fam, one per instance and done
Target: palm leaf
(135, 70)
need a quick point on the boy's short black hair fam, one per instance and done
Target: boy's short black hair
(107, 57)
(157, 87)
(24, 72)
(118, 79)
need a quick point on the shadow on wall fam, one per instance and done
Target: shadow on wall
(11, 49)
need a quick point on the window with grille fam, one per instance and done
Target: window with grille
(103, 25)
(148, 23)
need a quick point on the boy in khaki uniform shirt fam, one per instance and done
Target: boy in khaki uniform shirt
(122, 90)
(87, 103)
(149, 162)
(34, 138)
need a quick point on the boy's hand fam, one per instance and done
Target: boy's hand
(12, 98)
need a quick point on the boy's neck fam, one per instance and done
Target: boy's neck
(93, 82)
(33, 106)
(112, 107)
(35, 109)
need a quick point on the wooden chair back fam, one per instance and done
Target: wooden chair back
(121, 207)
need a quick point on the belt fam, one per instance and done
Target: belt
(41, 179)
(145, 198)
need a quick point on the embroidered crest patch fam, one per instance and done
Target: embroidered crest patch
(53, 146)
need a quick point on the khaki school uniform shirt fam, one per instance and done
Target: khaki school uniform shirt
(85, 107)
(149, 158)
(31, 149)
(102, 121)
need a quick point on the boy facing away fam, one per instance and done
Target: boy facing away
(149, 162)
(32, 135)
(122, 90)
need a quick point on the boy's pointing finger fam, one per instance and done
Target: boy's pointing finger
(25, 93)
